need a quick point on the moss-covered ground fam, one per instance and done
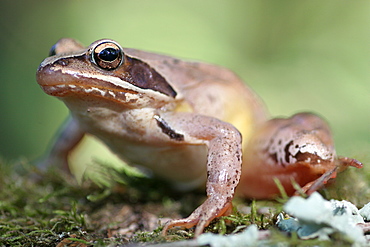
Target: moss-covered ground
(123, 208)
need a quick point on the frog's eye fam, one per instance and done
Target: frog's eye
(52, 51)
(107, 55)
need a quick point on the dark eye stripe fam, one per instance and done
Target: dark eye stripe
(109, 56)
(143, 76)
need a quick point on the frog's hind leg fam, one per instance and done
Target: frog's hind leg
(342, 164)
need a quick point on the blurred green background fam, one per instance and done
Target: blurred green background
(297, 55)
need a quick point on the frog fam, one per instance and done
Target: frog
(193, 124)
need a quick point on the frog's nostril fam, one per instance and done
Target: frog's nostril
(62, 62)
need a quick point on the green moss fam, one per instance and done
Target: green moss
(44, 209)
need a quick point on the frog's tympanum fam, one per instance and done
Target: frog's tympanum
(185, 121)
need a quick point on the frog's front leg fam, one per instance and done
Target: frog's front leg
(224, 160)
(67, 139)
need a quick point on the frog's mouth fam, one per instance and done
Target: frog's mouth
(62, 90)
(61, 84)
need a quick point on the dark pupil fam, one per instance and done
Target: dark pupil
(108, 54)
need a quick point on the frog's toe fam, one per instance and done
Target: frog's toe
(186, 223)
(200, 218)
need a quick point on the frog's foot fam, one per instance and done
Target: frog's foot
(201, 217)
(342, 164)
(364, 226)
(317, 184)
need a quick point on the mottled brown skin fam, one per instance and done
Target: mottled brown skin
(298, 149)
(185, 122)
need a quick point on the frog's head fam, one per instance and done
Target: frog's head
(102, 72)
